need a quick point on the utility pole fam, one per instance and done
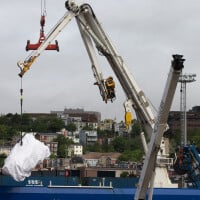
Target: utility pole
(184, 79)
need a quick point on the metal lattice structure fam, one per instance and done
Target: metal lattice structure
(184, 79)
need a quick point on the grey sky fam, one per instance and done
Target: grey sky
(145, 33)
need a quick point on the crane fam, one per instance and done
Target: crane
(93, 37)
(92, 33)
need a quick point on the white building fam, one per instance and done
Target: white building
(75, 150)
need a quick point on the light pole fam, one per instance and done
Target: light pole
(184, 79)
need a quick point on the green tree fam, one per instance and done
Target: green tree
(40, 125)
(2, 158)
(107, 147)
(87, 128)
(16, 123)
(47, 124)
(71, 127)
(124, 174)
(193, 136)
(63, 144)
(136, 128)
(55, 124)
(26, 122)
(119, 144)
(93, 148)
(53, 156)
(134, 155)
(3, 133)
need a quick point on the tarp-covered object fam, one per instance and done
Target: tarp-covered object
(23, 158)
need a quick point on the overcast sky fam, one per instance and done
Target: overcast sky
(145, 33)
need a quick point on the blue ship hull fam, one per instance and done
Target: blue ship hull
(44, 193)
(66, 188)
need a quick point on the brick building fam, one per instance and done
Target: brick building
(193, 119)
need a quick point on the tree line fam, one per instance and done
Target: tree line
(129, 145)
(12, 124)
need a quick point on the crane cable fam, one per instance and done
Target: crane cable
(43, 14)
(21, 114)
(42, 20)
(43, 8)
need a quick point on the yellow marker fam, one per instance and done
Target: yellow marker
(128, 119)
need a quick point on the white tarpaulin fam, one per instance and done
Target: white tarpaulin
(23, 158)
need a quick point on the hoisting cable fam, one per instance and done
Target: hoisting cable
(43, 8)
(21, 113)
(43, 15)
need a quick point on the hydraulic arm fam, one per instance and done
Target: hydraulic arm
(159, 128)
